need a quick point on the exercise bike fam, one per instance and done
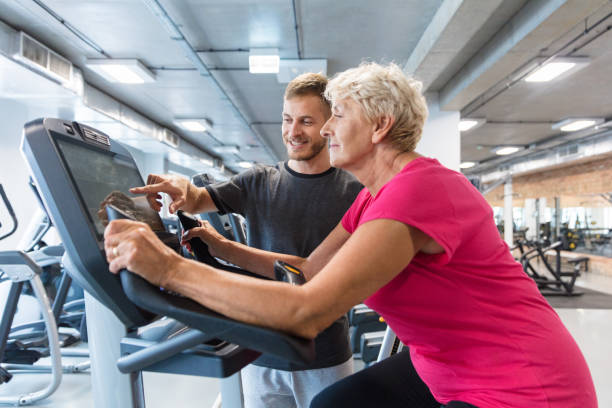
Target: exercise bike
(24, 344)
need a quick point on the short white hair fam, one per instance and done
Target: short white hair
(384, 90)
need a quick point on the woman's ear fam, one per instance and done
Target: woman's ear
(382, 126)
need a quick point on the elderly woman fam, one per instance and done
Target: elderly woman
(419, 246)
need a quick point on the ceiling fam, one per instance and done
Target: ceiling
(470, 52)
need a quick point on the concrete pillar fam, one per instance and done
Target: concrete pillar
(557, 219)
(508, 224)
(538, 212)
(529, 215)
(110, 388)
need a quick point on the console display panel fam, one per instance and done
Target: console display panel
(103, 177)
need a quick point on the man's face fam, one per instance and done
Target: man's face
(303, 117)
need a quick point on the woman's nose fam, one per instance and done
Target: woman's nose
(326, 129)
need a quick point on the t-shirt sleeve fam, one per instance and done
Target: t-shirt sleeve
(350, 220)
(423, 205)
(230, 196)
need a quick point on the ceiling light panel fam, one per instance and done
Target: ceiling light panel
(556, 68)
(575, 124)
(194, 124)
(126, 71)
(506, 150)
(264, 61)
(227, 149)
(470, 124)
(245, 164)
(467, 165)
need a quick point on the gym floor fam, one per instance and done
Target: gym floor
(592, 329)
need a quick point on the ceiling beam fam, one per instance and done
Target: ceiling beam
(451, 28)
(432, 34)
(534, 27)
(175, 34)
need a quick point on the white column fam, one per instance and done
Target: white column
(110, 388)
(508, 224)
(441, 139)
(529, 215)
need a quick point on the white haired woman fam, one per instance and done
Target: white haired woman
(420, 247)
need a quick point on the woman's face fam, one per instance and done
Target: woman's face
(349, 133)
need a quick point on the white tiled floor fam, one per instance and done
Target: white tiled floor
(594, 281)
(591, 328)
(161, 390)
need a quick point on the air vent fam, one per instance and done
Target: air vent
(34, 52)
(42, 58)
(170, 138)
(95, 136)
(60, 66)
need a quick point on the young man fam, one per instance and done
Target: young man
(289, 208)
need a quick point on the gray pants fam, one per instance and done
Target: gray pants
(269, 388)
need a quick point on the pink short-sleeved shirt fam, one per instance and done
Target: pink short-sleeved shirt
(478, 329)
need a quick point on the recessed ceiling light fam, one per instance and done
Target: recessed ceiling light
(577, 125)
(506, 150)
(194, 124)
(245, 164)
(556, 68)
(470, 124)
(264, 61)
(227, 149)
(126, 71)
(574, 124)
(206, 162)
(467, 165)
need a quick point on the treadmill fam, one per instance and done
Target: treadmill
(133, 326)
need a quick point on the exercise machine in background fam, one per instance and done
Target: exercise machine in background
(551, 278)
(36, 270)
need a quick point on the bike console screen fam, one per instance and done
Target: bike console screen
(102, 178)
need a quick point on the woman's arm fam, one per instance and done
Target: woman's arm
(376, 252)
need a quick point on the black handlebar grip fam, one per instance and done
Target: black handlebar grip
(288, 273)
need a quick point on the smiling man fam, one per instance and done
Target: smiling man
(289, 208)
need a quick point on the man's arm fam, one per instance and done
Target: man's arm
(185, 196)
(262, 262)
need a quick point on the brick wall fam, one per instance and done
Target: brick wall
(578, 185)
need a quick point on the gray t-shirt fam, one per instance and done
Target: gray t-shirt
(291, 213)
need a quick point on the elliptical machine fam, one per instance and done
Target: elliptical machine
(22, 345)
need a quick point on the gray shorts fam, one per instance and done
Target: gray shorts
(270, 388)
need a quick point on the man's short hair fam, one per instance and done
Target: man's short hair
(308, 84)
